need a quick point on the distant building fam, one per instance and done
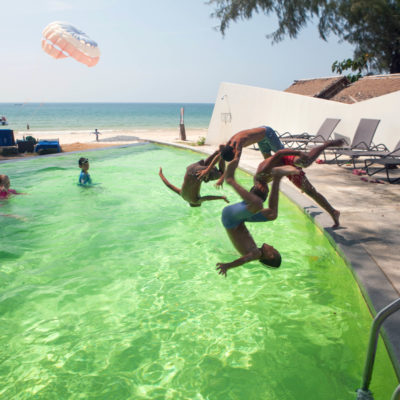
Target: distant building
(341, 90)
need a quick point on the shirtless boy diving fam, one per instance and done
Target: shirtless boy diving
(300, 160)
(264, 136)
(190, 190)
(251, 210)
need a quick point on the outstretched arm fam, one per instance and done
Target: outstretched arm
(13, 216)
(205, 172)
(235, 161)
(222, 268)
(168, 184)
(211, 157)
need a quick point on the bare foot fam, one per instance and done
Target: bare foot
(335, 216)
(284, 171)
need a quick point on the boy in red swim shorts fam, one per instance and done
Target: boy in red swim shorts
(300, 160)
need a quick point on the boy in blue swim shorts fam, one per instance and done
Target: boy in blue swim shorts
(251, 210)
(264, 136)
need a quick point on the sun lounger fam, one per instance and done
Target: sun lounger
(387, 161)
(361, 143)
(306, 140)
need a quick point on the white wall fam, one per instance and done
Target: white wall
(250, 107)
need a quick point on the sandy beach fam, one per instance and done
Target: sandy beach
(84, 140)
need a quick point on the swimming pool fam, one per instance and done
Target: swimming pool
(111, 292)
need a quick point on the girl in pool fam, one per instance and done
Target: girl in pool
(5, 190)
(5, 193)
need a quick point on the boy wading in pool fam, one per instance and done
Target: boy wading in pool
(251, 210)
(264, 136)
(190, 190)
(84, 177)
(299, 159)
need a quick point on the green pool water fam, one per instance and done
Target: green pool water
(111, 292)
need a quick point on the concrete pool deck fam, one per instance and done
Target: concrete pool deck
(368, 236)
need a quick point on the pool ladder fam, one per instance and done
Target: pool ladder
(364, 393)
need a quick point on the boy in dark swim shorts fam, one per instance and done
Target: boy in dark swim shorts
(300, 159)
(264, 136)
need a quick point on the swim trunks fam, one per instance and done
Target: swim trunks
(298, 179)
(84, 178)
(270, 142)
(5, 193)
(234, 215)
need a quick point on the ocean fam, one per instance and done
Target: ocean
(76, 117)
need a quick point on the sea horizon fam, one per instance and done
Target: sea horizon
(107, 116)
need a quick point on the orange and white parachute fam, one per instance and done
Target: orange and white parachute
(61, 40)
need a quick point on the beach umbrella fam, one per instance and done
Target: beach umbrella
(61, 39)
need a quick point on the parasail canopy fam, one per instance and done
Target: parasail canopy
(61, 39)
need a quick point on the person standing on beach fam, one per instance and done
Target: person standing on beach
(190, 190)
(300, 160)
(84, 177)
(97, 133)
(251, 210)
(266, 138)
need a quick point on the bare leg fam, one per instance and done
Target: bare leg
(321, 200)
(278, 173)
(208, 198)
(307, 158)
(266, 155)
(168, 184)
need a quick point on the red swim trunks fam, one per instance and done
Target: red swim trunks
(296, 179)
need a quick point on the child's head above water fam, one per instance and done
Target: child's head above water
(4, 182)
(84, 163)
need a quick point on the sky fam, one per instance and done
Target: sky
(151, 51)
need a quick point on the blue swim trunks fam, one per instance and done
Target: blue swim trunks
(237, 213)
(270, 142)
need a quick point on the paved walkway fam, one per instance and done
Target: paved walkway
(369, 234)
